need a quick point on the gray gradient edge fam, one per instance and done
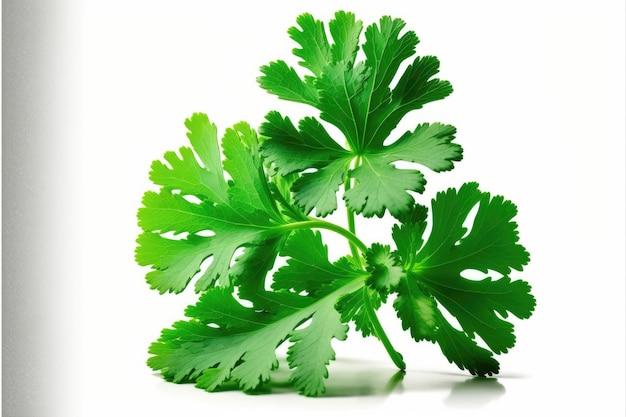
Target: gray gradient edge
(37, 372)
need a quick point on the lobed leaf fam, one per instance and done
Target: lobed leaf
(293, 150)
(345, 31)
(319, 189)
(352, 308)
(225, 341)
(315, 50)
(357, 98)
(308, 268)
(240, 212)
(284, 82)
(380, 186)
(384, 268)
(434, 272)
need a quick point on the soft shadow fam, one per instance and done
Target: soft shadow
(364, 384)
(474, 393)
(347, 379)
(378, 380)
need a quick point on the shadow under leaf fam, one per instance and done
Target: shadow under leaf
(360, 378)
(474, 392)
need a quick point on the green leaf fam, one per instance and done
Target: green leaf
(174, 262)
(417, 311)
(352, 308)
(309, 357)
(463, 350)
(380, 185)
(385, 50)
(428, 145)
(345, 31)
(408, 236)
(384, 268)
(357, 98)
(166, 212)
(224, 340)
(219, 223)
(284, 82)
(292, 150)
(185, 173)
(180, 260)
(250, 192)
(319, 189)
(480, 306)
(315, 50)
(202, 135)
(308, 268)
(415, 88)
(342, 101)
(491, 244)
(250, 271)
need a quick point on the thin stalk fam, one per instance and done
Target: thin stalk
(350, 215)
(395, 356)
(322, 224)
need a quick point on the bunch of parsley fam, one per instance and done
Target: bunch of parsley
(226, 211)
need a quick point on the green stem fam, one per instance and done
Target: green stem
(350, 216)
(395, 356)
(321, 224)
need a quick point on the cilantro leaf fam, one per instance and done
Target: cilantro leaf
(186, 174)
(345, 31)
(308, 268)
(384, 268)
(222, 217)
(434, 272)
(380, 185)
(284, 82)
(223, 340)
(318, 189)
(315, 50)
(356, 97)
(417, 311)
(352, 308)
(310, 146)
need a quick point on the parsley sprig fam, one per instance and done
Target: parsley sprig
(227, 210)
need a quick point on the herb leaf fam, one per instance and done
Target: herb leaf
(357, 98)
(435, 271)
(217, 222)
(223, 340)
(308, 268)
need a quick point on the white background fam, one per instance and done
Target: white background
(539, 108)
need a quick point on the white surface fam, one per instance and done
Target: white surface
(539, 107)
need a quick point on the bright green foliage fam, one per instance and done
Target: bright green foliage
(308, 268)
(219, 216)
(434, 278)
(384, 268)
(235, 217)
(226, 341)
(356, 97)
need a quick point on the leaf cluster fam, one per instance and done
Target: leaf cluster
(233, 215)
